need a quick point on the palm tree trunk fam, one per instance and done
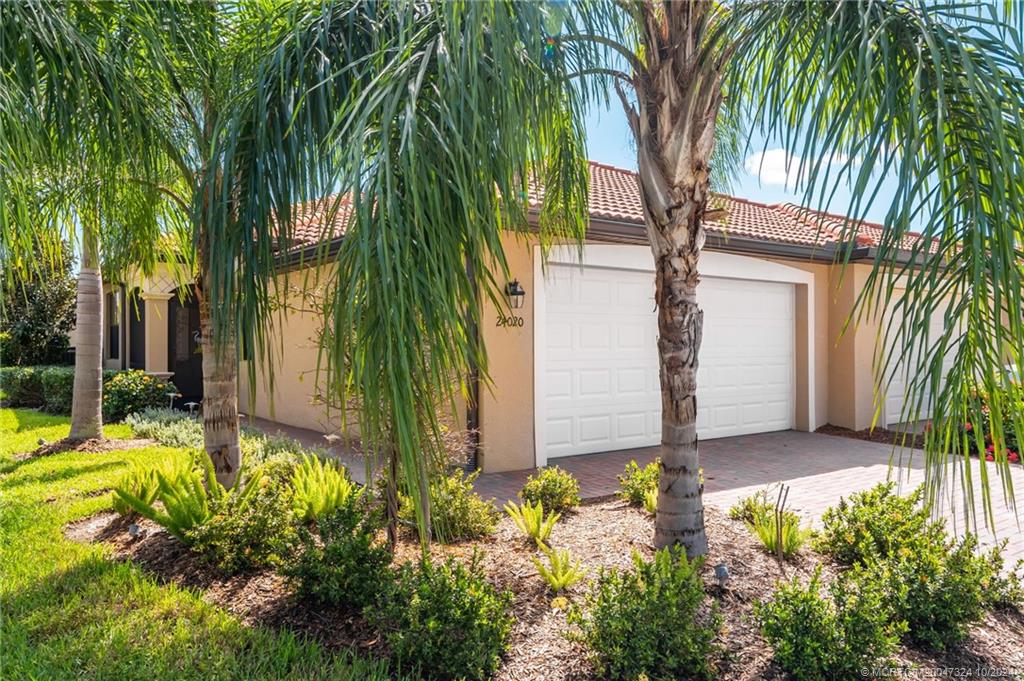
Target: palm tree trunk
(680, 516)
(87, 398)
(220, 397)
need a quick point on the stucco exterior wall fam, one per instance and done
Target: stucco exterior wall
(851, 376)
(506, 401)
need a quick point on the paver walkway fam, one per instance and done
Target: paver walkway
(819, 469)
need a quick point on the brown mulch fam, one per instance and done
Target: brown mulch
(600, 535)
(92, 446)
(881, 435)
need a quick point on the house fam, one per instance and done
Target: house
(574, 369)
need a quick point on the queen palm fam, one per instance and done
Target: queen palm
(433, 118)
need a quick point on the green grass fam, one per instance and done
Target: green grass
(69, 612)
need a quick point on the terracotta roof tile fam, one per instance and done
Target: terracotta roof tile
(614, 196)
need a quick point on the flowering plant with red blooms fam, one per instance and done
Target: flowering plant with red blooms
(968, 427)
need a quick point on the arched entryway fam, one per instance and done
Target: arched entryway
(185, 354)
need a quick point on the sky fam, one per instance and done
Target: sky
(764, 178)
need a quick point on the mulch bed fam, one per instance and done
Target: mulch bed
(601, 535)
(92, 446)
(882, 435)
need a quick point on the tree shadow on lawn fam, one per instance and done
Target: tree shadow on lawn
(99, 618)
(257, 598)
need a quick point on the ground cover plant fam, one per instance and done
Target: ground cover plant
(71, 607)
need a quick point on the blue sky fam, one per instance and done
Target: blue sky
(764, 178)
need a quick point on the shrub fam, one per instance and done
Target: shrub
(874, 522)
(635, 482)
(765, 528)
(456, 511)
(816, 638)
(22, 386)
(530, 519)
(134, 390)
(943, 585)
(38, 312)
(749, 508)
(556, 489)
(939, 585)
(319, 487)
(59, 388)
(342, 563)
(561, 572)
(446, 621)
(250, 527)
(169, 427)
(652, 621)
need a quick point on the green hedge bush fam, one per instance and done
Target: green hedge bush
(22, 386)
(341, 562)
(652, 622)
(52, 389)
(445, 621)
(815, 637)
(457, 513)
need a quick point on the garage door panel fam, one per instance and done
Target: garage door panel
(613, 398)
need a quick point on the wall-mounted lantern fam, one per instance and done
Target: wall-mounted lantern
(515, 293)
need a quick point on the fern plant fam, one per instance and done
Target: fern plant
(320, 487)
(765, 528)
(531, 520)
(651, 500)
(188, 496)
(561, 572)
(142, 483)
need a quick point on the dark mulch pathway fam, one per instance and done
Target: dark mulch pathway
(600, 535)
(882, 435)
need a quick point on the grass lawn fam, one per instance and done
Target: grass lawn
(70, 612)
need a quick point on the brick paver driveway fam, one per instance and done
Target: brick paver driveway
(819, 469)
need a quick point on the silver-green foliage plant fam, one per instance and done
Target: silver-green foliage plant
(531, 520)
(319, 487)
(169, 427)
(562, 571)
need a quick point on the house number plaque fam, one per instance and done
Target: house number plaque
(509, 321)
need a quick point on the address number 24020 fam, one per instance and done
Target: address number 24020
(509, 321)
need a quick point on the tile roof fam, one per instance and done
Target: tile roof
(614, 196)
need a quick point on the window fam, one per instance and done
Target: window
(112, 311)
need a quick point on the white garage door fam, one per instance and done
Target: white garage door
(897, 394)
(601, 390)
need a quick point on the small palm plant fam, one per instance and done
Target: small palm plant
(319, 487)
(531, 520)
(561, 572)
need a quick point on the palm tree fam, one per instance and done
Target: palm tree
(434, 116)
(66, 125)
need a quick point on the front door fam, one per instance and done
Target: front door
(185, 348)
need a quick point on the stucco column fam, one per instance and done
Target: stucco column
(156, 331)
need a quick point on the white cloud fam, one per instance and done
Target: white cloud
(776, 167)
